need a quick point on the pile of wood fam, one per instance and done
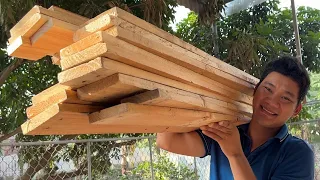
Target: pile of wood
(121, 74)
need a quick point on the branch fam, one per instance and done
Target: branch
(6, 136)
(6, 72)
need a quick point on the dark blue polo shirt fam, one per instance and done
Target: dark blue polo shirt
(283, 157)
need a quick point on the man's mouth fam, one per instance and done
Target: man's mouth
(268, 111)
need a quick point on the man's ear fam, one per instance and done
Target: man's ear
(297, 111)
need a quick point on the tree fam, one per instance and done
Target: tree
(249, 39)
(252, 37)
(21, 79)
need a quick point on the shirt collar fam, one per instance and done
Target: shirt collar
(282, 134)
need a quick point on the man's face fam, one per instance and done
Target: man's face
(275, 100)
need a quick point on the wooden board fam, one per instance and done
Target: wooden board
(120, 86)
(21, 48)
(28, 26)
(183, 100)
(117, 12)
(69, 16)
(166, 50)
(109, 90)
(99, 23)
(63, 119)
(100, 68)
(66, 96)
(53, 36)
(45, 94)
(132, 55)
(55, 58)
(134, 114)
(179, 56)
(54, 12)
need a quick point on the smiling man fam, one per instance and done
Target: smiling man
(262, 149)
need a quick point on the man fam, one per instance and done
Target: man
(262, 149)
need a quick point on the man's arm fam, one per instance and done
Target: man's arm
(189, 144)
(227, 136)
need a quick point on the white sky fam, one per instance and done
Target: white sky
(182, 12)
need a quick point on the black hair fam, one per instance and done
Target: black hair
(292, 68)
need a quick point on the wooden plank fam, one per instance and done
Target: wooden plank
(29, 27)
(100, 68)
(99, 23)
(21, 48)
(183, 100)
(179, 56)
(171, 38)
(45, 94)
(117, 12)
(55, 58)
(109, 90)
(132, 55)
(63, 119)
(151, 29)
(53, 36)
(54, 12)
(134, 114)
(66, 96)
(69, 16)
(166, 50)
(82, 44)
(119, 86)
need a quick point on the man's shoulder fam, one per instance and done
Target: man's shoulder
(296, 145)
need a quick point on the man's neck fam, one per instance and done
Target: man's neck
(259, 134)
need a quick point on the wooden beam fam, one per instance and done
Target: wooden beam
(99, 23)
(53, 36)
(45, 94)
(63, 119)
(117, 13)
(134, 114)
(119, 86)
(110, 89)
(100, 68)
(69, 16)
(27, 27)
(122, 51)
(55, 58)
(182, 57)
(183, 100)
(39, 14)
(66, 96)
(164, 49)
(21, 48)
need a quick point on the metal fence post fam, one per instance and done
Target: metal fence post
(151, 161)
(195, 165)
(89, 160)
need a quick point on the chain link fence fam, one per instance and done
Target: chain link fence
(116, 158)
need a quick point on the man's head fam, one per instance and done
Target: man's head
(283, 85)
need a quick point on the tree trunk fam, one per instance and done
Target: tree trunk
(6, 136)
(6, 72)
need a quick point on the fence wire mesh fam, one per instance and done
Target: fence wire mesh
(118, 158)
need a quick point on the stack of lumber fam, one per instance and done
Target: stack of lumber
(121, 74)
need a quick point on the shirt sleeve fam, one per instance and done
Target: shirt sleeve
(297, 163)
(207, 142)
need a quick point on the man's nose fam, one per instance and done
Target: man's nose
(274, 100)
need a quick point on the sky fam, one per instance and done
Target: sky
(182, 12)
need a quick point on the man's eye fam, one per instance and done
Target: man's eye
(286, 98)
(268, 89)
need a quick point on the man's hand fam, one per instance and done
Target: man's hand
(227, 135)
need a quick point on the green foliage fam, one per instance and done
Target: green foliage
(165, 170)
(251, 38)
